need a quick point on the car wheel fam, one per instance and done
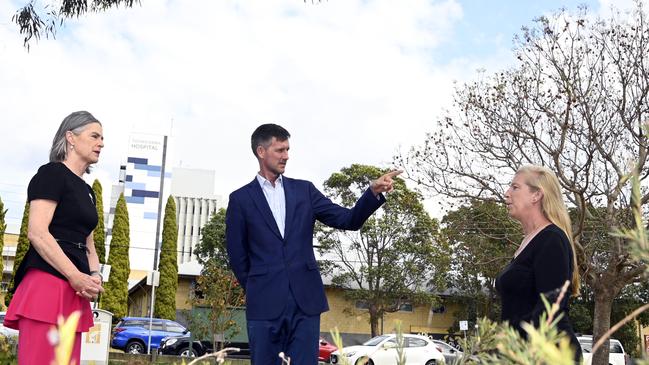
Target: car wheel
(364, 361)
(187, 352)
(431, 362)
(135, 347)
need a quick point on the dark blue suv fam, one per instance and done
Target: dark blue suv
(131, 334)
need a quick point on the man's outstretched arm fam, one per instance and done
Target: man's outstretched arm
(339, 217)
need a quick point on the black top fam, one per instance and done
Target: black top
(542, 267)
(74, 218)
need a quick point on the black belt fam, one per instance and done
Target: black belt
(79, 245)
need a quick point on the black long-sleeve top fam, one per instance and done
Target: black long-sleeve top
(541, 268)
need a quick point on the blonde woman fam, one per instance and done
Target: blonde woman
(545, 260)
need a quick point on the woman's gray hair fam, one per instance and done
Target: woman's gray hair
(75, 123)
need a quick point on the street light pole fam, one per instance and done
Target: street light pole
(157, 240)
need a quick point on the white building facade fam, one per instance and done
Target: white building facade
(193, 192)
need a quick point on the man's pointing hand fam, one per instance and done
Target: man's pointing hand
(384, 183)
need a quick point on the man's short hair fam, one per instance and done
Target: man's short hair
(263, 135)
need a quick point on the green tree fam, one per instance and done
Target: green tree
(396, 258)
(574, 102)
(21, 250)
(631, 297)
(115, 297)
(165, 299)
(99, 234)
(212, 244)
(482, 240)
(217, 287)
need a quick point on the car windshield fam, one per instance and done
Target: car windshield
(175, 327)
(444, 346)
(616, 348)
(131, 323)
(587, 346)
(375, 341)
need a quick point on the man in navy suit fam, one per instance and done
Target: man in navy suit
(269, 234)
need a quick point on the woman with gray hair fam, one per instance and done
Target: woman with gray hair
(59, 273)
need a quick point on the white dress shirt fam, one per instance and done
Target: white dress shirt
(276, 199)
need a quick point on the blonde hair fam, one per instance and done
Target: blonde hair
(553, 207)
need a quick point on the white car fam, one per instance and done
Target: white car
(616, 356)
(451, 354)
(382, 350)
(4, 331)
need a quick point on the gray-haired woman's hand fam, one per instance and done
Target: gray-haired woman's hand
(86, 286)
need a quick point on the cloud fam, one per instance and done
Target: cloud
(351, 80)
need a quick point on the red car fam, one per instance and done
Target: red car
(325, 350)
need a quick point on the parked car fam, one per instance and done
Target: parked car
(382, 350)
(325, 350)
(131, 334)
(617, 355)
(450, 353)
(5, 331)
(180, 346)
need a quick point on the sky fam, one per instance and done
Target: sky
(353, 81)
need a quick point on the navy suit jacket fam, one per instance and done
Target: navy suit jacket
(266, 264)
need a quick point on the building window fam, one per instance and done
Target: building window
(405, 307)
(362, 304)
(438, 309)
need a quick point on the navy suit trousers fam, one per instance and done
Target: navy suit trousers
(294, 333)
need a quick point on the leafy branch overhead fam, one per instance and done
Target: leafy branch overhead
(43, 18)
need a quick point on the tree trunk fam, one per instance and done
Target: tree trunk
(216, 344)
(602, 322)
(374, 322)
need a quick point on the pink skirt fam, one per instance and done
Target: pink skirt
(44, 297)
